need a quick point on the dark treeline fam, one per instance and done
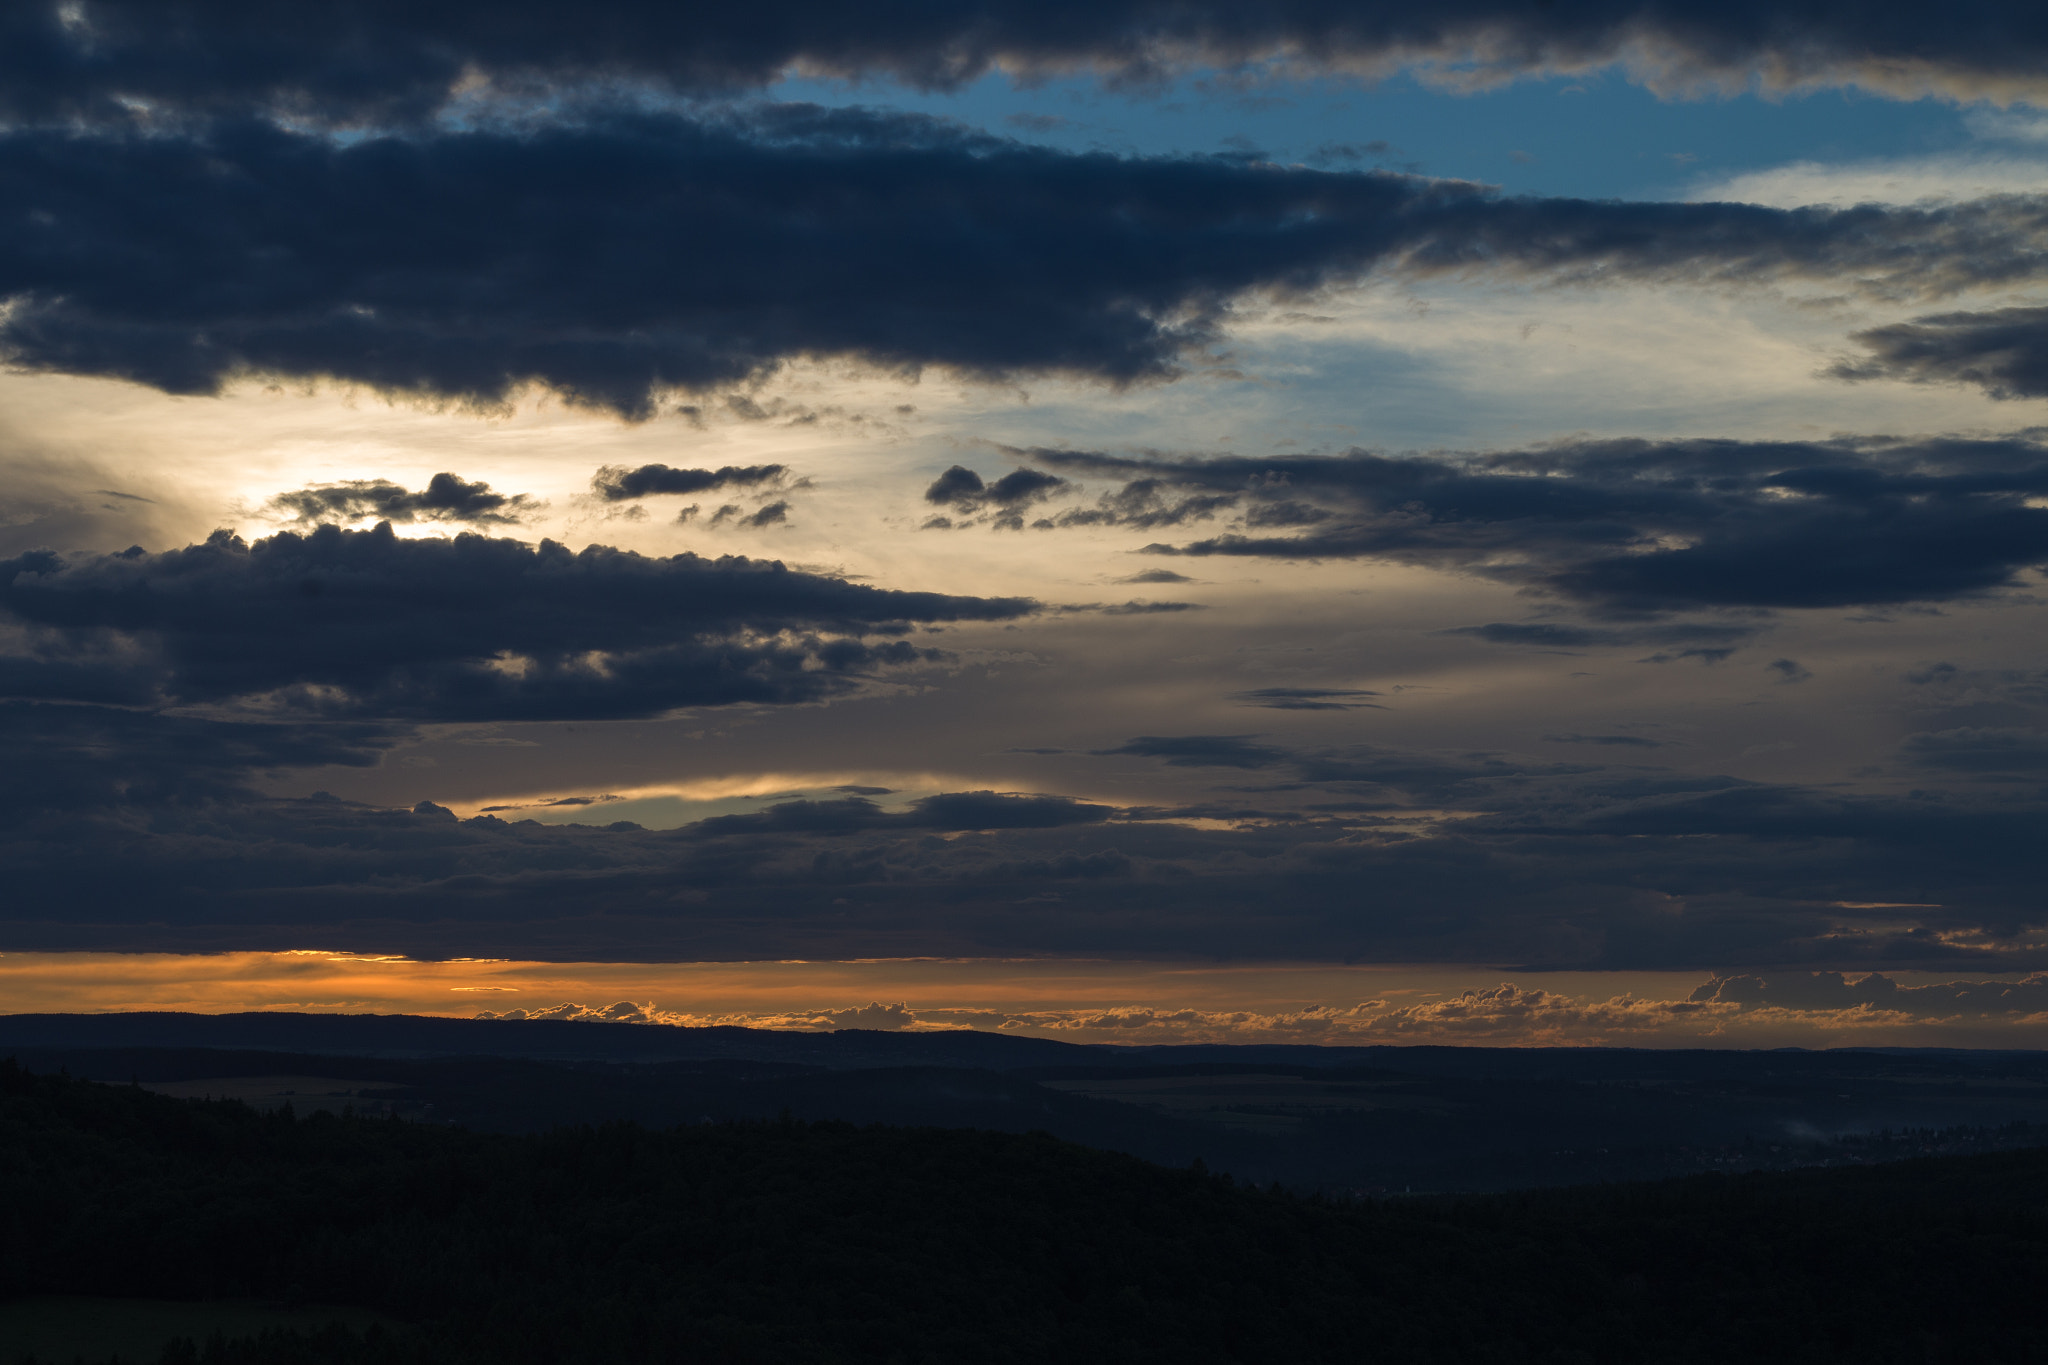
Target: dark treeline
(789, 1242)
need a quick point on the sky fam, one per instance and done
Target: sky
(1131, 522)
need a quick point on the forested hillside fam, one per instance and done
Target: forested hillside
(790, 1243)
(1351, 1121)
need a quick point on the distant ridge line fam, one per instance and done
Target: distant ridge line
(426, 1036)
(421, 1035)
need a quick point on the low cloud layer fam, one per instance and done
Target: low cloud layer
(446, 498)
(365, 623)
(617, 483)
(137, 820)
(948, 812)
(1001, 502)
(71, 761)
(2010, 753)
(1826, 1007)
(103, 58)
(2003, 352)
(629, 255)
(1624, 527)
(1351, 853)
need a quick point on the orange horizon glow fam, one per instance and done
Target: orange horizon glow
(1083, 1001)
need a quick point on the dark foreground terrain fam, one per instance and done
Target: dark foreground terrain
(792, 1242)
(1341, 1120)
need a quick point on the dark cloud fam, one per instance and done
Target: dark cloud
(616, 483)
(1202, 751)
(947, 812)
(629, 254)
(1633, 526)
(1946, 697)
(1990, 751)
(1422, 776)
(1834, 991)
(958, 486)
(732, 514)
(445, 498)
(367, 623)
(1613, 741)
(963, 490)
(1389, 776)
(376, 60)
(1556, 635)
(2004, 352)
(1156, 576)
(462, 265)
(1542, 634)
(121, 829)
(64, 759)
(1143, 504)
(1139, 606)
(1558, 867)
(1286, 512)
(1022, 487)
(1308, 698)
(557, 801)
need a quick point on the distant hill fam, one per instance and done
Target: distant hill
(813, 1244)
(413, 1035)
(1335, 1119)
(423, 1036)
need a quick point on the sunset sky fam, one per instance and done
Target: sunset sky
(1130, 522)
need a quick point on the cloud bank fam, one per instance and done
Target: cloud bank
(1826, 1007)
(617, 483)
(445, 498)
(1346, 853)
(2003, 352)
(626, 255)
(1624, 527)
(365, 623)
(373, 60)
